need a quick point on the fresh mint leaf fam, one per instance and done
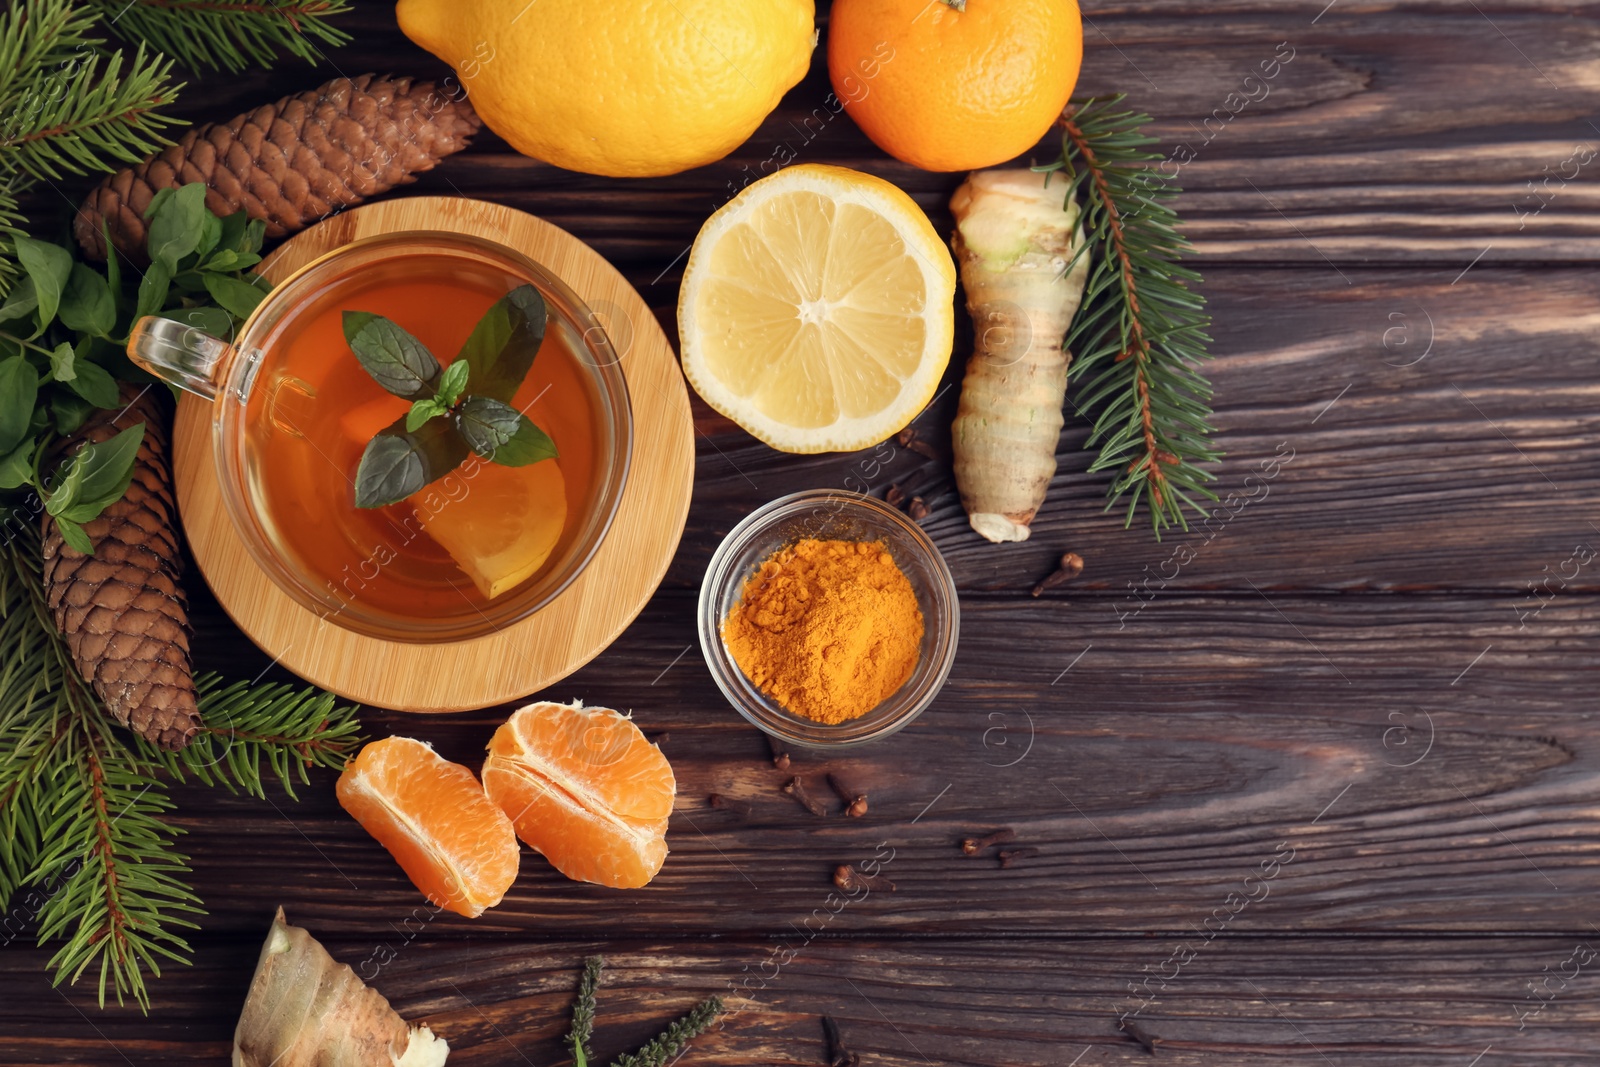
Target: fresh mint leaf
(395, 359)
(97, 477)
(94, 383)
(73, 535)
(399, 469)
(61, 359)
(48, 266)
(21, 301)
(86, 304)
(453, 382)
(236, 297)
(528, 445)
(499, 432)
(177, 225)
(422, 411)
(390, 470)
(502, 345)
(19, 391)
(153, 289)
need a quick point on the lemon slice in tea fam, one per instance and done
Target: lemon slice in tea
(505, 527)
(817, 309)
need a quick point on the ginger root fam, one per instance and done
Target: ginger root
(305, 1009)
(1014, 242)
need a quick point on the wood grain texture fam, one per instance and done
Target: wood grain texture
(564, 634)
(1384, 660)
(1051, 1002)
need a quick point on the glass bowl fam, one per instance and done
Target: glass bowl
(828, 514)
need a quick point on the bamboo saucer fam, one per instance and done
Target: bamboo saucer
(565, 634)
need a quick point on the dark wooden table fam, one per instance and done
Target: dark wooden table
(1322, 789)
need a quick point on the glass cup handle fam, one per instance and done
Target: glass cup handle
(183, 355)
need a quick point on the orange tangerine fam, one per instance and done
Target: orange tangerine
(453, 842)
(585, 789)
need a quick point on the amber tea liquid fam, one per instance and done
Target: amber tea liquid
(314, 409)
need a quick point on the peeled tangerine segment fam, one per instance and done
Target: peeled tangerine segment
(585, 789)
(503, 529)
(455, 844)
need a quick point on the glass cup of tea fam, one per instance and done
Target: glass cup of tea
(293, 409)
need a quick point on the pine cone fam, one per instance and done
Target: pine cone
(289, 163)
(122, 610)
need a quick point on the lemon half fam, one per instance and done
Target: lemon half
(817, 309)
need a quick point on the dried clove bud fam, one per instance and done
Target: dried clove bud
(908, 439)
(855, 804)
(849, 879)
(738, 807)
(838, 1055)
(1070, 567)
(895, 496)
(1009, 857)
(797, 789)
(973, 845)
(917, 509)
(780, 755)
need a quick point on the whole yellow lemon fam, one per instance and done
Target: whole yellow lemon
(624, 88)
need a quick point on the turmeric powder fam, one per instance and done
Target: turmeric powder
(828, 629)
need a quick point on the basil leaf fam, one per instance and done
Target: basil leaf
(422, 411)
(153, 289)
(453, 381)
(255, 234)
(396, 360)
(157, 201)
(48, 266)
(232, 231)
(20, 302)
(227, 260)
(68, 411)
(97, 477)
(95, 384)
(74, 536)
(210, 234)
(19, 390)
(61, 357)
(502, 345)
(528, 445)
(212, 320)
(176, 225)
(113, 268)
(237, 297)
(86, 305)
(16, 467)
(499, 432)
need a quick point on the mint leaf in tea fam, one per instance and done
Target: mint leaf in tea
(422, 447)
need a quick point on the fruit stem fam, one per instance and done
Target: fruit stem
(956, 5)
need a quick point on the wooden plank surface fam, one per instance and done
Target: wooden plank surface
(1372, 674)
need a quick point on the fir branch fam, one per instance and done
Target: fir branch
(88, 117)
(285, 729)
(229, 34)
(84, 805)
(672, 1040)
(1139, 334)
(582, 1030)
